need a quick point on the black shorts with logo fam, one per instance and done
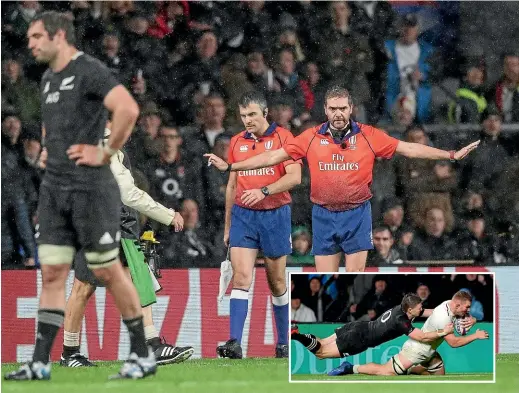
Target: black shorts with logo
(84, 219)
(350, 339)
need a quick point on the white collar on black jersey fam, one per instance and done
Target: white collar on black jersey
(77, 54)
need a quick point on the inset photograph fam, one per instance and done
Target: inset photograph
(432, 327)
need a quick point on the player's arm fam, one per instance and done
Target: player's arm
(427, 337)
(125, 112)
(291, 179)
(230, 195)
(456, 342)
(134, 197)
(417, 150)
(268, 158)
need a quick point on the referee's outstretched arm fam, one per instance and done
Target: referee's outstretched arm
(266, 159)
(417, 150)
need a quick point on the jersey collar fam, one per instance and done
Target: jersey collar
(355, 129)
(269, 132)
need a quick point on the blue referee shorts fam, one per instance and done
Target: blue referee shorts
(347, 231)
(266, 230)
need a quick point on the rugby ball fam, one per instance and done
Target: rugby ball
(457, 325)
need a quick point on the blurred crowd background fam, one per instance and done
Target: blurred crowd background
(364, 297)
(436, 73)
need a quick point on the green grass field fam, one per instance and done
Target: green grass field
(249, 375)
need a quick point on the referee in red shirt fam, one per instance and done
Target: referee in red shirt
(340, 155)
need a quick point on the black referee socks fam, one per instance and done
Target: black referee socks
(308, 340)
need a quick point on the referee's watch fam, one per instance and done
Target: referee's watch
(265, 191)
(451, 153)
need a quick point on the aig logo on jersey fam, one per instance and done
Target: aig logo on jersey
(268, 145)
(52, 98)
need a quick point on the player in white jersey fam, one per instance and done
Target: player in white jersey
(421, 358)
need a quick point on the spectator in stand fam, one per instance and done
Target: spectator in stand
(18, 91)
(200, 140)
(172, 175)
(347, 56)
(300, 312)
(470, 101)
(32, 172)
(216, 183)
(409, 67)
(200, 74)
(235, 83)
(314, 89)
(190, 247)
(282, 112)
(144, 143)
(505, 93)
(288, 79)
(119, 63)
(260, 75)
(301, 247)
(492, 156)
(377, 21)
(88, 23)
(171, 18)
(419, 179)
(425, 294)
(393, 216)
(384, 252)
(383, 186)
(257, 25)
(319, 300)
(116, 14)
(378, 300)
(16, 23)
(432, 243)
(475, 242)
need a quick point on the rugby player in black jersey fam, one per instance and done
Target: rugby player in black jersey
(79, 203)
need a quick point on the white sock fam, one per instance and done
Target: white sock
(150, 332)
(355, 369)
(71, 339)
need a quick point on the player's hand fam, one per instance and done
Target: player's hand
(481, 334)
(42, 161)
(449, 328)
(251, 197)
(467, 323)
(216, 161)
(226, 237)
(90, 155)
(178, 222)
(462, 153)
(29, 262)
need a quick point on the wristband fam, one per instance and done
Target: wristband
(229, 168)
(451, 153)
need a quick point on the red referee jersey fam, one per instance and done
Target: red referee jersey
(341, 171)
(244, 146)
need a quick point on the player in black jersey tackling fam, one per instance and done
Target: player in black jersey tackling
(79, 201)
(356, 337)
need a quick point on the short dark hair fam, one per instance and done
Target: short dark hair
(382, 228)
(253, 97)
(410, 300)
(337, 91)
(462, 295)
(54, 21)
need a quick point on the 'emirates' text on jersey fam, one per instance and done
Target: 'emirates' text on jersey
(392, 324)
(341, 173)
(244, 146)
(73, 112)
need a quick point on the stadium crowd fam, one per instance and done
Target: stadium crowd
(187, 63)
(346, 298)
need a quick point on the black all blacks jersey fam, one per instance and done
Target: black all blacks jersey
(392, 324)
(73, 112)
